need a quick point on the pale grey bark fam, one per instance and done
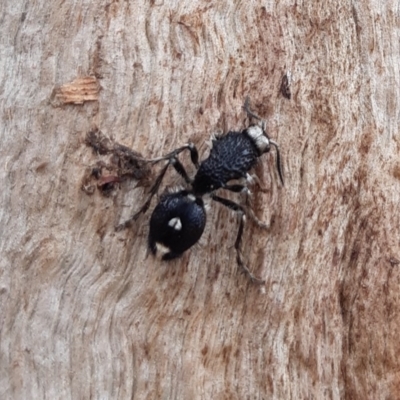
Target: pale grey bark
(86, 315)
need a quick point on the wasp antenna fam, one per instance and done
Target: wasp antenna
(278, 161)
(264, 127)
(246, 107)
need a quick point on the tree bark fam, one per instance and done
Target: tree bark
(87, 313)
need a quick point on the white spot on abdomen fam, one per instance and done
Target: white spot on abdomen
(175, 223)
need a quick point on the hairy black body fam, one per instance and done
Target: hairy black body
(231, 157)
(178, 220)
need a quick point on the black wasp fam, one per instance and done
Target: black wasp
(179, 218)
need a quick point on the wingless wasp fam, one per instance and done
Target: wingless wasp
(179, 218)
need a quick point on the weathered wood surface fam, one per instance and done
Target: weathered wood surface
(86, 315)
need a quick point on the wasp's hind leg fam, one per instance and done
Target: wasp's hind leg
(242, 215)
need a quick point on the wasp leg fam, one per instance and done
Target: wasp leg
(236, 188)
(240, 210)
(255, 180)
(194, 155)
(181, 171)
(249, 210)
(146, 205)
